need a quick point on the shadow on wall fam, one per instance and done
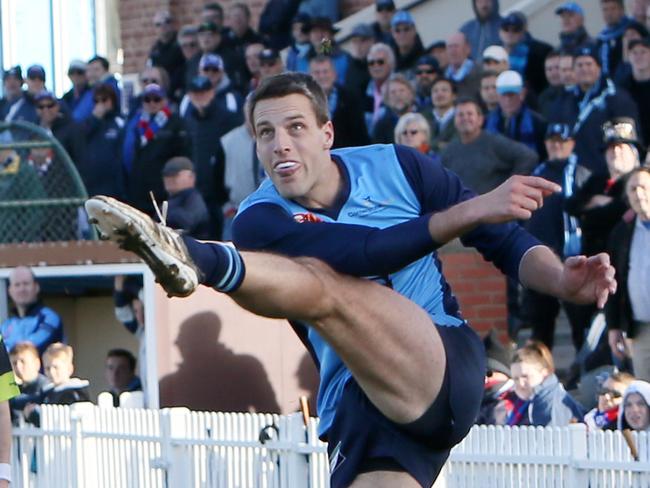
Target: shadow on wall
(307, 376)
(211, 376)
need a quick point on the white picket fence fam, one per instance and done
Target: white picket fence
(87, 446)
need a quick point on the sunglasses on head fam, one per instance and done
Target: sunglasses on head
(425, 71)
(43, 106)
(410, 132)
(378, 62)
(151, 99)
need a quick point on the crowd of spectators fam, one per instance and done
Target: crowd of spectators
(489, 101)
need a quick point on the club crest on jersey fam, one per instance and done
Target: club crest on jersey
(370, 206)
(301, 218)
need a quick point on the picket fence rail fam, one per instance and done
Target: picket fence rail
(84, 445)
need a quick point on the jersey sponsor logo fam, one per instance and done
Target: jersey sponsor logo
(301, 218)
(370, 207)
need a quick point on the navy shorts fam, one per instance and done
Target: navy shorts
(362, 439)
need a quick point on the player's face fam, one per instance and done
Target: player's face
(294, 149)
(637, 412)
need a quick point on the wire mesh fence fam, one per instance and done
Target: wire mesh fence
(41, 193)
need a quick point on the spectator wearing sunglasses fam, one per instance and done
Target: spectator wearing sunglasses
(604, 415)
(167, 53)
(60, 125)
(77, 76)
(412, 130)
(406, 42)
(158, 136)
(381, 62)
(102, 170)
(427, 71)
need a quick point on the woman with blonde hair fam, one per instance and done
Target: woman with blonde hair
(413, 130)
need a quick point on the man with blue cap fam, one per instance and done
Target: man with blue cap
(406, 42)
(573, 34)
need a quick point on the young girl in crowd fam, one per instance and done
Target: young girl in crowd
(634, 412)
(538, 397)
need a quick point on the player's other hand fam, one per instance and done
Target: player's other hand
(515, 199)
(588, 279)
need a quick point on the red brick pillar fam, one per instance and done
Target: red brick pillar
(479, 287)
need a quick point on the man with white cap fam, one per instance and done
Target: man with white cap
(573, 34)
(495, 58)
(513, 118)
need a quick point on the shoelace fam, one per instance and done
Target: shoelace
(162, 215)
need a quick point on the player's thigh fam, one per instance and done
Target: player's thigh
(385, 479)
(388, 342)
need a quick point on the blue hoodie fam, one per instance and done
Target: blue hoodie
(481, 34)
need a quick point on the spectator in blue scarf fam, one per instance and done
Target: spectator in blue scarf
(513, 118)
(610, 39)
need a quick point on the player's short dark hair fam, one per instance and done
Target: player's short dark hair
(102, 60)
(291, 83)
(123, 353)
(553, 53)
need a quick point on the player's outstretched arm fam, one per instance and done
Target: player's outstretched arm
(580, 279)
(515, 199)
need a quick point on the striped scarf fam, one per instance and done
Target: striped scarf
(148, 125)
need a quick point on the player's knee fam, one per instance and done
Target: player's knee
(325, 303)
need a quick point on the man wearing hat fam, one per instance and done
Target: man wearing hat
(300, 46)
(513, 118)
(270, 63)
(361, 40)
(438, 50)
(482, 31)
(638, 83)
(77, 76)
(495, 58)
(573, 34)
(207, 119)
(526, 54)
(321, 40)
(427, 71)
(600, 202)
(186, 208)
(59, 123)
(159, 135)
(381, 27)
(405, 41)
(16, 104)
(559, 230)
(587, 106)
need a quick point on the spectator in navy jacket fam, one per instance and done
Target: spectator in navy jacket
(187, 209)
(102, 170)
(16, 104)
(30, 320)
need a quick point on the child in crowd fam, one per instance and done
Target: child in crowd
(538, 398)
(610, 396)
(634, 411)
(63, 388)
(26, 365)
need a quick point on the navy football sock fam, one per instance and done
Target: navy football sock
(222, 266)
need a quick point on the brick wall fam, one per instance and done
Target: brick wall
(479, 287)
(137, 30)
